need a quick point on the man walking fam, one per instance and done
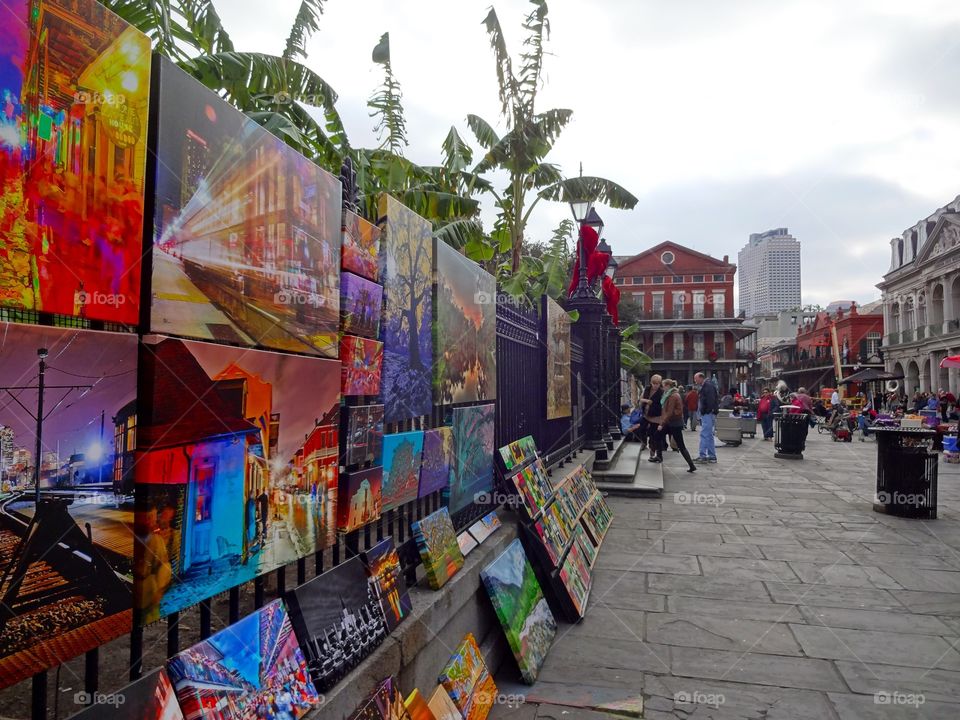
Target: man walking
(709, 405)
(692, 402)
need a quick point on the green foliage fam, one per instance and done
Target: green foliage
(632, 359)
(391, 126)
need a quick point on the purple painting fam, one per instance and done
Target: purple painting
(437, 455)
(361, 302)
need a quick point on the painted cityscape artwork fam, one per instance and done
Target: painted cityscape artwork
(437, 458)
(407, 313)
(401, 468)
(338, 619)
(75, 81)
(364, 430)
(386, 578)
(361, 303)
(66, 560)
(468, 681)
(360, 364)
(361, 246)
(152, 697)
(246, 232)
(521, 608)
(237, 463)
(439, 550)
(360, 498)
(386, 703)
(558, 361)
(472, 472)
(465, 366)
(251, 669)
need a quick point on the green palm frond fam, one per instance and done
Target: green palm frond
(391, 127)
(155, 20)
(483, 131)
(592, 188)
(204, 24)
(537, 26)
(457, 155)
(506, 82)
(305, 24)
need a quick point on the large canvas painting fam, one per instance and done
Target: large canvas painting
(66, 550)
(361, 303)
(437, 459)
(465, 367)
(75, 82)
(407, 313)
(338, 619)
(246, 232)
(251, 669)
(468, 681)
(152, 697)
(360, 498)
(402, 454)
(558, 361)
(360, 364)
(364, 440)
(439, 550)
(472, 472)
(442, 707)
(417, 707)
(521, 608)
(361, 246)
(237, 463)
(386, 578)
(386, 703)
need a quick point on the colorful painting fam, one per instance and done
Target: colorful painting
(360, 498)
(521, 608)
(518, 452)
(465, 367)
(237, 463)
(386, 703)
(361, 246)
(389, 586)
(485, 526)
(442, 707)
(468, 681)
(401, 468)
(438, 546)
(75, 81)
(152, 697)
(360, 363)
(66, 548)
(253, 668)
(575, 576)
(472, 473)
(558, 361)
(364, 434)
(361, 303)
(437, 459)
(338, 619)
(246, 232)
(407, 313)
(417, 707)
(467, 543)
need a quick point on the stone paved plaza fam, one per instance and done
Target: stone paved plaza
(765, 589)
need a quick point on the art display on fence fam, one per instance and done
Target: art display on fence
(485, 526)
(439, 550)
(575, 576)
(518, 452)
(386, 703)
(360, 363)
(338, 619)
(401, 467)
(442, 707)
(437, 459)
(407, 242)
(472, 473)
(246, 232)
(361, 303)
(360, 498)
(389, 586)
(253, 668)
(468, 681)
(521, 608)
(237, 463)
(152, 697)
(364, 428)
(558, 361)
(361, 246)
(75, 81)
(66, 560)
(465, 366)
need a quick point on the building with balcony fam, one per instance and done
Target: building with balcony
(921, 301)
(683, 301)
(769, 272)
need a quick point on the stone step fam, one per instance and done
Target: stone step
(612, 456)
(624, 467)
(646, 481)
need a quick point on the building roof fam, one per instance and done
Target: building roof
(724, 264)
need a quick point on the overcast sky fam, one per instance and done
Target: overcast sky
(838, 120)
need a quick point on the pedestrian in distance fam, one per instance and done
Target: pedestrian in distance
(671, 421)
(652, 409)
(709, 406)
(692, 401)
(766, 409)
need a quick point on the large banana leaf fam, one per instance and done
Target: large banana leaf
(457, 155)
(537, 25)
(483, 131)
(305, 24)
(590, 188)
(155, 19)
(506, 82)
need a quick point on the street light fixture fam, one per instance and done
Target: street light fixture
(612, 266)
(580, 209)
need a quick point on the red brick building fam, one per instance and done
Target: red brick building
(683, 301)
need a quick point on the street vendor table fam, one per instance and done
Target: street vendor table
(906, 472)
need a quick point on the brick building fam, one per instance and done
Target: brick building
(683, 301)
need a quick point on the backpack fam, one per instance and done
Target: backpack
(764, 406)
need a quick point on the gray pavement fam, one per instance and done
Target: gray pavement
(763, 588)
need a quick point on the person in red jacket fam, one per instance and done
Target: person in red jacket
(692, 402)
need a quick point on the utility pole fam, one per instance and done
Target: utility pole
(42, 354)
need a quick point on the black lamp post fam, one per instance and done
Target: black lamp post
(584, 214)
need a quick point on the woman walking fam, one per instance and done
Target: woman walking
(671, 421)
(652, 410)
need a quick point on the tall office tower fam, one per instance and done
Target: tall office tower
(769, 269)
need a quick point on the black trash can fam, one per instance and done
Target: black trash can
(790, 439)
(906, 472)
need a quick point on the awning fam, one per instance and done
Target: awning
(870, 375)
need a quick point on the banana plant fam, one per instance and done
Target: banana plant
(632, 358)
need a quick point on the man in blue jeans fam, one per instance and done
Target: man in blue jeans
(709, 405)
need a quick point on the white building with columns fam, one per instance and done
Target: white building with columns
(921, 302)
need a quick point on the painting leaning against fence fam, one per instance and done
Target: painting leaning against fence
(401, 467)
(407, 250)
(471, 477)
(558, 361)
(437, 458)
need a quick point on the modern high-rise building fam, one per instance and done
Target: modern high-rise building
(769, 267)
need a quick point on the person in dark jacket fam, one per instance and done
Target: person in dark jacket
(709, 405)
(652, 410)
(671, 421)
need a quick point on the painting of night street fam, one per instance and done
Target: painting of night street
(237, 467)
(246, 231)
(65, 559)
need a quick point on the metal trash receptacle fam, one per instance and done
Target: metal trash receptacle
(727, 428)
(748, 424)
(907, 472)
(790, 438)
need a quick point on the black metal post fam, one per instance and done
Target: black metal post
(281, 581)
(173, 634)
(136, 650)
(258, 592)
(38, 457)
(301, 571)
(589, 332)
(205, 619)
(234, 608)
(38, 696)
(91, 672)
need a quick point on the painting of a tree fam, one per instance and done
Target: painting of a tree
(401, 468)
(558, 362)
(472, 471)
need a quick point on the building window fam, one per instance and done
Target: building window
(719, 348)
(658, 279)
(718, 278)
(657, 308)
(698, 278)
(699, 300)
(638, 300)
(698, 346)
(637, 280)
(658, 345)
(678, 278)
(618, 281)
(679, 298)
(873, 344)
(678, 350)
(719, 305)
(667, 258)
